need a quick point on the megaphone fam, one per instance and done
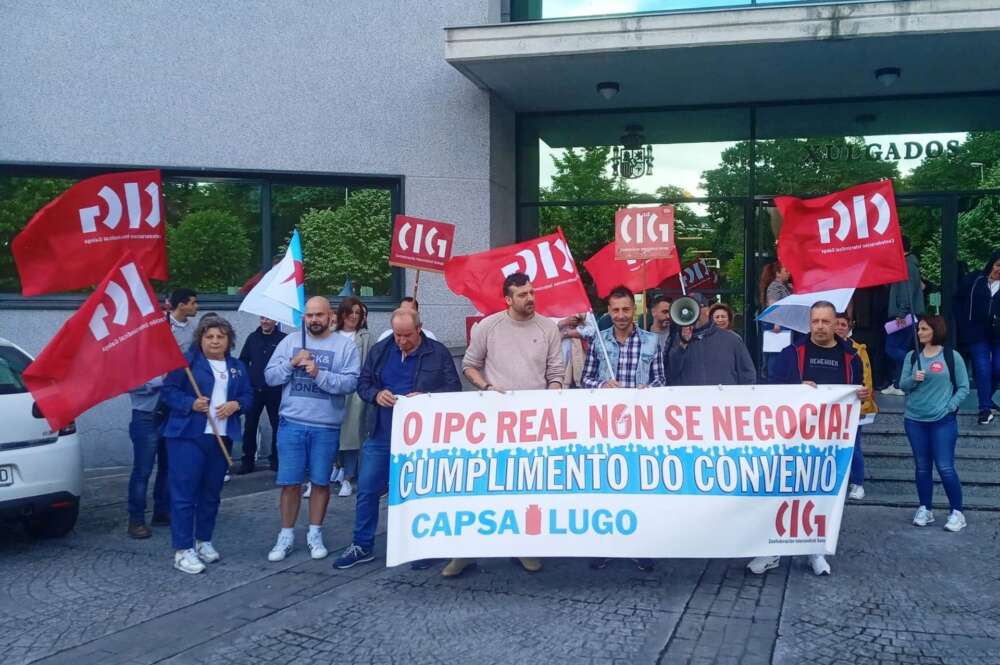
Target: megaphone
(684, 311)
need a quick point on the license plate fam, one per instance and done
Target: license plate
(6, 475)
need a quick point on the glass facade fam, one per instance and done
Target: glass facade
(224, 229)
(721, 168)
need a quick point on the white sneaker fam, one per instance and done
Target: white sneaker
(205, 551)
(281, 548)
(307, 490)
(762, 564)
(856, 493)
(226, 478)
(338, 475)
(187, 561)
(317, 549)
(891, 390)
(923, 517)
(345, 488)
(956, 521)
(819, 564)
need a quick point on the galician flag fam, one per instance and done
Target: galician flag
(281, 293)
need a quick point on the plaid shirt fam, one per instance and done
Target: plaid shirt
(628, 363)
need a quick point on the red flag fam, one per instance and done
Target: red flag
(609, 272)
(73, 241)
(421, 244)
(843, 240)
(546, 260)
(696, 275)
(117, 340)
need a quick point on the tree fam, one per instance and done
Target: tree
(20, 199)
(208, 251)
(352, 240)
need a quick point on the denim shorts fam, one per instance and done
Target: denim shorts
(302, 448)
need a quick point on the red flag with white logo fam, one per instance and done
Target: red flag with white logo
(609, 272)
(696, 275)
(73, 241)
(117, 340)
(421, 244)
(849, 239)
(546, 260)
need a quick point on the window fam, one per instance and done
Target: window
(12, 364)
(224, 229)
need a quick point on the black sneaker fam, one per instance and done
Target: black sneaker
(245, 468)
(352, 556)
(985, 417)
(160, 519)
(644, 565)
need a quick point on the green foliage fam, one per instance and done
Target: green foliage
(209, 251)
(20, 199)
(352, 240)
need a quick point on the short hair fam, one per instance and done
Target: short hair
(662, 298)
(180, 296)
(844, 315)
(822, 303)
(938, 326)
(514, 279)
(412, 300)
(621, 291)
(412, 313)
(206, 323)
(723, 306)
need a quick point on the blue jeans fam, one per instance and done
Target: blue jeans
(858, 462)
(933, 444)
(373, 480)
(197, 472)
(349, 462)
(897, 345)
(303, 448)
(147, 446)
(986, 364)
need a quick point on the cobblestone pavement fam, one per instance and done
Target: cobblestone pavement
(897, 594)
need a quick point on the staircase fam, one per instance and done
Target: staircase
(889, 460)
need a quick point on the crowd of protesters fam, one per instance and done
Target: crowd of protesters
(329, 402)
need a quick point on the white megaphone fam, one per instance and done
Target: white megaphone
(685, 311)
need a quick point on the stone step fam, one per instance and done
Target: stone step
(878, 460)
(975, 484)
(901, 450)
(966, 444)
(967, 424)
(879, 497)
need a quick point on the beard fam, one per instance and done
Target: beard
(316, 328)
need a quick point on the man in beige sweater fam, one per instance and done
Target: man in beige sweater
(513, 350)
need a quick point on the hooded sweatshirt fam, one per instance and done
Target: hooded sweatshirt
(975, 306)
(902, 294)
(712, 357)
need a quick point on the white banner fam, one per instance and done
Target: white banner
(720, 472)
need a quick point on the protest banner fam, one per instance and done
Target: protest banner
(735, 471)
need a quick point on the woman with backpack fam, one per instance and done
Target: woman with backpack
(935, 383)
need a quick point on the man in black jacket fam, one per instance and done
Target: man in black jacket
(256, 353)
(405, 364)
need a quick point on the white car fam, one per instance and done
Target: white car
(41, 471)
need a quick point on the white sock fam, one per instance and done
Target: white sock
(314, 528)
(287, 533)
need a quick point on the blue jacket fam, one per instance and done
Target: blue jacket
(649, 347)
(435, 371)
(975, 307)
(792, 359)
(178, 395)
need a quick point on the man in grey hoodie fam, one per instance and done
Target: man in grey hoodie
(706, 355)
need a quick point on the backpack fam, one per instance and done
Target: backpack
(949, 361)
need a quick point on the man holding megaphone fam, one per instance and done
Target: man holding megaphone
(706, 355)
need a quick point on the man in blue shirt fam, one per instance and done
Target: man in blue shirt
(408, 363)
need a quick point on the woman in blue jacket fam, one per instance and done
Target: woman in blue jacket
(196, 465)
(977, 313)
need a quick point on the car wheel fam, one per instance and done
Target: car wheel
(54, 523)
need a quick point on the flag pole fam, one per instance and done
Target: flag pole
(416, 284)
(913, 314)
(600, 342)
(215, 431)
(645, 294)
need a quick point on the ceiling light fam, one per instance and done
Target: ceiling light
(608, 89)
(887, 75)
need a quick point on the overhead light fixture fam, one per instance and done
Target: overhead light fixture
(887, 75)
(608, 89)
(632, 159)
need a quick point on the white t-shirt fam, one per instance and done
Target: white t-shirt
(388, 332)
(349, 335)
(994, 286)
(219, 390)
